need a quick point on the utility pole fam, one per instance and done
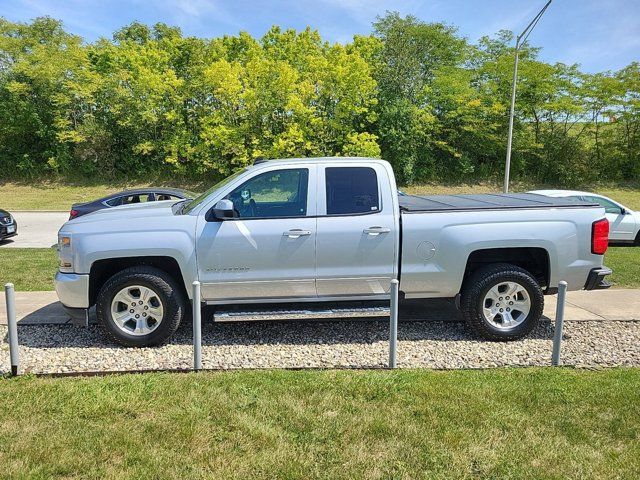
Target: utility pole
(520, 40)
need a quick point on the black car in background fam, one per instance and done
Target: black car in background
(128, 197)
(8, 225)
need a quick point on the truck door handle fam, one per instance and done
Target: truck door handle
(296, 233)
(376, 230)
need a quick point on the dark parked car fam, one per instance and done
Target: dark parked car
(8, 225)
(128, 197)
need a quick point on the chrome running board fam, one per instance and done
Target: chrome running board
(307, 313)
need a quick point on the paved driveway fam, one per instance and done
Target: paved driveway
(36, 229)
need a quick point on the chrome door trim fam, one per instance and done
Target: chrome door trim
(227, 301)
(264, 289)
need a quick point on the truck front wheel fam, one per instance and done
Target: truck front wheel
(140, 306)
(502, 302)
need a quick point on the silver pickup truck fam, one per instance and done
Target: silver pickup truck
(300, 234)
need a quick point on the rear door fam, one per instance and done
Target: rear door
(355, 244)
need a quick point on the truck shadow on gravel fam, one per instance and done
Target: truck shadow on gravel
(274, 333)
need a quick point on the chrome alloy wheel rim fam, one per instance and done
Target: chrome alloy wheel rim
(137, 310)
(506, 305)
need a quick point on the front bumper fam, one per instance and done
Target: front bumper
(596, 281)
(72, 289)
(4, 230)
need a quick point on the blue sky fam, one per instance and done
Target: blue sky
(598, 34)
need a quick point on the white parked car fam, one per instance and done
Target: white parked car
(624, 223)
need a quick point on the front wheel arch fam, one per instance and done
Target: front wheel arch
(102, 270)
(173, 305)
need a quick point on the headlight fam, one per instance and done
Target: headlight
(65, 253)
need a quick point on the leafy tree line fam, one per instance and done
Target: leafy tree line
(417, 94)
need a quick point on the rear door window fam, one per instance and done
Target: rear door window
(351, 190)
(137, 198)
(164, 196)
(114, 202)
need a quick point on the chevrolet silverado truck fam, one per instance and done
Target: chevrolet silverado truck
(324, 237)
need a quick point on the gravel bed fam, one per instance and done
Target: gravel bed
(340, 344)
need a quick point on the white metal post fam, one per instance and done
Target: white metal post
(197, 327)
(12, 326)
(393, 324)
(557, 336)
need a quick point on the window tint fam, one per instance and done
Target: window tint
(138, 198)
(351, 190)
(164, 196)
(114, 202)
(609, 206)
(279, 193)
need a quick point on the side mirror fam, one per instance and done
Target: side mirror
(224, 210)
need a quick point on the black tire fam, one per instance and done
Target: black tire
(167, 290)
(478, 285)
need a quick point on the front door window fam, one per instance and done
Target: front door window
(278, 193)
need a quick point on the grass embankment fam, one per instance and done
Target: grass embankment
(627, 195)
(29, 269)
(625, 263)
(41, 195)
(543, 423)
(32, 269)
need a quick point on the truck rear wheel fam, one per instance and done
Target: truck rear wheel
(502, 302)
(140, 306)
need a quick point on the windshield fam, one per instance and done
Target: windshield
(198, 200)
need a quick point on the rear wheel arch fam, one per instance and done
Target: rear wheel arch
(535, 260)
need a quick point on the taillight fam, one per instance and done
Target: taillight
(600, 236)
(73, 213)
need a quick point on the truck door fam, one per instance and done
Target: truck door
(356, 231)
(268, 252)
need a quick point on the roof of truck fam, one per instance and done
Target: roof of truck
(487, 201)
(260, 160)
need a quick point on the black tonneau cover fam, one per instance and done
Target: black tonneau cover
(489, 201)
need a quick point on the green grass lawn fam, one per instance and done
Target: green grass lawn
(625, 263)
(28, 269)
(507, 423)
(32, 269)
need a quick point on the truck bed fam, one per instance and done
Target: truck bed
(489, 201)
